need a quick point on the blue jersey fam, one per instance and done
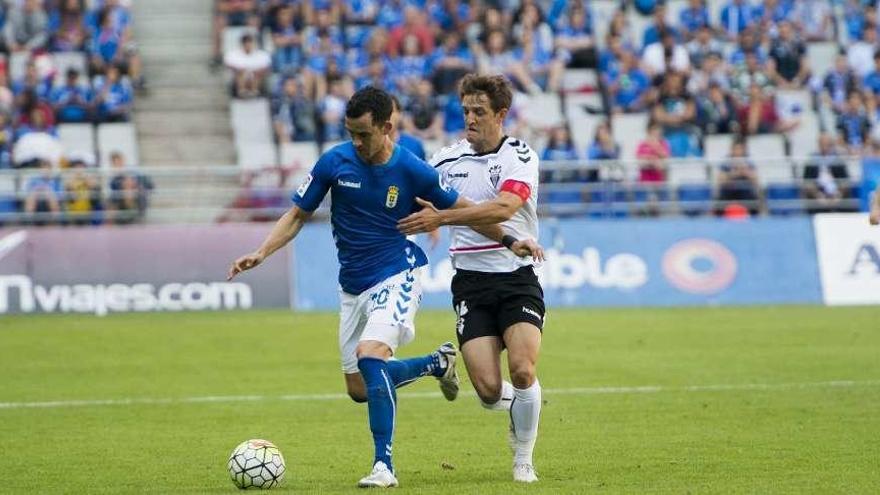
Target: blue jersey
(366, 203)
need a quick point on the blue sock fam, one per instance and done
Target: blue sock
(406, 371)
(381, 404)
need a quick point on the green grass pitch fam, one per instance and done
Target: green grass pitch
(733, 400)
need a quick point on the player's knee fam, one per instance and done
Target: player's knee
(522, 376)
(489, 393)
(357, 396)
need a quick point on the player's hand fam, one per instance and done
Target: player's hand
(424, 220)
(528, 247)
(244, 263)
(874, 217)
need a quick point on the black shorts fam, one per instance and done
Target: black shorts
(488, 303)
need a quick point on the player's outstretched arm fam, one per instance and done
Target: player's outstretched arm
(285, 229)
(874, 216)
(463, 212)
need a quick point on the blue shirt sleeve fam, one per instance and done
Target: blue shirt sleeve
(314, 187)
(431, 186)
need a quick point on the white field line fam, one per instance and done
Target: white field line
(650, 389)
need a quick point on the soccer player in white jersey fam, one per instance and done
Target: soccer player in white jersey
(374, 183)
(497, 297)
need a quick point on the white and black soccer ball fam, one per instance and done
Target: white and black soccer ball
(256, 464)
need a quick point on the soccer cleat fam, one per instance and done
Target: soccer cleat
(381, 477)
(524, 473)
(449, 381)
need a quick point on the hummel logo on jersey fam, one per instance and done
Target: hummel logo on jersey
(353, 185)
(532, 312)
(459, 175)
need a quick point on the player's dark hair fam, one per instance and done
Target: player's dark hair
(496, 88)
(396, 102)
(373, 100)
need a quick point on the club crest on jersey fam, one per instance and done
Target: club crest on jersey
(494, 173)
(391, 197)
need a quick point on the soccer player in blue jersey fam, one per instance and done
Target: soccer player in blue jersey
(373, 184)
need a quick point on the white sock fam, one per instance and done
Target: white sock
(525, 413)
(506, 399)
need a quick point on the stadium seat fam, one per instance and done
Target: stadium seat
(78, 139)
(717, 146)
(773, 171)
(581, 122)
(298, 155)
(689, 172)
(580, 80)
(784, 198)
(766, 146)
(629, 129)
(821, 56)
(8, 201)
(68, 60)
(603, 12)
(608, 201)
(543, 111)
(695, 199)
(118, 137)
(254, 142)
(804, 139)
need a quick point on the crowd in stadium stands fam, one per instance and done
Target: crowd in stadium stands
(693, 73)
(67, 61)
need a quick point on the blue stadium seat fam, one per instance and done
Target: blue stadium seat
(695, 199)
(784, 199)
(610, 202)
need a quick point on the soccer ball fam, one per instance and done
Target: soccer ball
(256, 464)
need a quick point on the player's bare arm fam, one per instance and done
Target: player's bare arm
(491, 212)
(285, 229)
(430, 214)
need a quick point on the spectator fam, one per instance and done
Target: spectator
(376, 48)
(453, 117)
(107, 43)
(36, 123)
(294, 118)
(629, 88)
(713, 72)
(826, 179)
(666, 55)
(736, 17)
(676, 112)
(717, 112)
(43, 193)
(758, 114)
(27, 27)
(7, 98)
(7, 136)
(748, 75)
(69, 33)
(72, 102)
(788, 66)
(749, 44)
(422, 116)
(653, 152)
(574, 39)
(129, 192)
(450, 62)
(113, 96)
(406, 141)
(694, 18)
(28, 102)
(497, 58)
(839, 83)
(860, 55)
(871, 83)
(332, 109)
(83, 196)
(415, 24)
(853, 125)
(702, 45)
(738, 179)
(410, 67)
(773, 12)
(603, 147)
(249, 66)
(659, 26)
(813, 20)
(287, 40)
(231, 13)
(538, 61)
(33, 81)
(560, 147)
(377, 76)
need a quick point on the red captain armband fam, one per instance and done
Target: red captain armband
(521, 189)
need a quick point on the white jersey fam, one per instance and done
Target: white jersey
(513, 166)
